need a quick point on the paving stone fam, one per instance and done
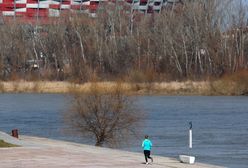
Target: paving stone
(46, 153)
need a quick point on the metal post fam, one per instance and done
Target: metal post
(14, 133)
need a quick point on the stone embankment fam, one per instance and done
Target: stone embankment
(46, 153)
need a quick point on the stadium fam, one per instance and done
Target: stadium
(28, 9)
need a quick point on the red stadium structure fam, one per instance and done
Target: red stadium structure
(42, 10)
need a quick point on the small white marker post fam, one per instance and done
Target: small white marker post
(187, 158)
(190, 135)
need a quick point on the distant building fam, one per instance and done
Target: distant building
(27, 9)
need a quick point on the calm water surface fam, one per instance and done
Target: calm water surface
(220, 124)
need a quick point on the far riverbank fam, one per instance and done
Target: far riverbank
(162, 88)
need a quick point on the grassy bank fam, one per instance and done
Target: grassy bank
(5, 144)
(220, 87)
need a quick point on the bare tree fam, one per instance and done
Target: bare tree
(106, 116)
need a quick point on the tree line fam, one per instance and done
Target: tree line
(192, 40)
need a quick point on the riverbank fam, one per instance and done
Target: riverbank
(205, 88)
(164, 88)
(43, 153)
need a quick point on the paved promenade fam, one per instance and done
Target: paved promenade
(46, 153)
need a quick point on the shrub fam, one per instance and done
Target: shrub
(232, 84)
(108, 117)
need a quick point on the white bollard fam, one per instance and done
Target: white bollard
(190, 138)
(187, 158)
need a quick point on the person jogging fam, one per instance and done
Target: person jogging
(147, 145)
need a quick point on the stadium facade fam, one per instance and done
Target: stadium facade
(54, 8)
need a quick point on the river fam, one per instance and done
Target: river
(220, 124)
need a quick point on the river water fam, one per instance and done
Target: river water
(220, 124)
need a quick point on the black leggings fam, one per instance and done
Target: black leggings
(147, 155)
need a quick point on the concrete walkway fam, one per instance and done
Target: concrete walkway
(46, 153)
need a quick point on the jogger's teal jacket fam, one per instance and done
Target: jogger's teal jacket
(147, 144)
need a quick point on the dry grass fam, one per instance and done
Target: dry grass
(167, 88)
(220, 87)
(232, 84)
(131, 88)
(1, 87)
(5, 144)
(183, 88)
(36, 87)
